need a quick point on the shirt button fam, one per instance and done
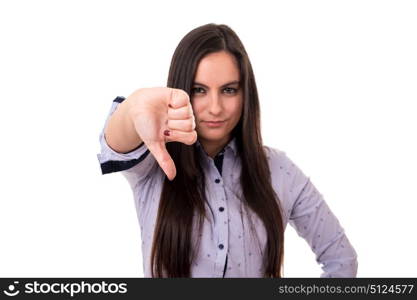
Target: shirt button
(221, 246)
(221, 208)
(217, 180)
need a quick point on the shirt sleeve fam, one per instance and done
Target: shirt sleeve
(134, 165)
(313, 220)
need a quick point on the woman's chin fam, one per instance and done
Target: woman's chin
(212, 136)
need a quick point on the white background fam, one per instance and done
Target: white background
(338, 89)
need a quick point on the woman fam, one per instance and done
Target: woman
(211, 199)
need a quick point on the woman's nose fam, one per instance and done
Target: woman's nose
(215, 104)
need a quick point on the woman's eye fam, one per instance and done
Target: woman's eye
(230, 90)
(197, 90)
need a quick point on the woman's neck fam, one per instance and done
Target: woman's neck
(212, 148)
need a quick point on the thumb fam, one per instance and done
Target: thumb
(163, 158)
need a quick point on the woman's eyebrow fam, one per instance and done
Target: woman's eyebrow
(224, 85)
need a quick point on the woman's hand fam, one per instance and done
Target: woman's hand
(162, 115)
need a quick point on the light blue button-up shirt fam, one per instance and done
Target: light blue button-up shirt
(233, 238)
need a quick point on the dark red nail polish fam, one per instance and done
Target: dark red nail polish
(166, 132)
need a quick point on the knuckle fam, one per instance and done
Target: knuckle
(186, 141)
(184, 94)
(190, 126)
(191, 113)
(179, 93)
(194, 136)
(193, 123)
(191, 139)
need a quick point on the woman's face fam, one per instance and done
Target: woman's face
(216, 96)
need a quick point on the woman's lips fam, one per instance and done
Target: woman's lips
(214, 124)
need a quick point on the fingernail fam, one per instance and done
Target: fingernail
(166, 132)
(169, 105)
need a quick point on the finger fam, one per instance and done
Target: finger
(179, 98)
(182, 125)
(163, 158)
(181, 113)
(187, 138)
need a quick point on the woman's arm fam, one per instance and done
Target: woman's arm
(315, 222)
(120, 132)
(134, 165)
(311, 217)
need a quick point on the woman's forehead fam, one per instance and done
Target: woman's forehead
(217, 69)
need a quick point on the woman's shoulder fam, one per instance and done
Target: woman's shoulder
(275, 154)
(281, 164)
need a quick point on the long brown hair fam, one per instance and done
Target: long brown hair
(183, 198)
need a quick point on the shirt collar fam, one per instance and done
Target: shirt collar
(231, 145)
